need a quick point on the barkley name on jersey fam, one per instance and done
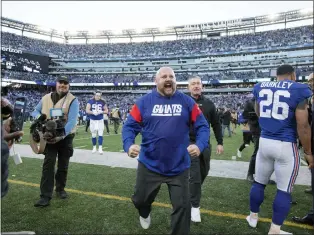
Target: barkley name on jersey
(277, 104)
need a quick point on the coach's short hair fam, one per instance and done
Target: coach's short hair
(284, 69)
(194, 76)
(97, 92)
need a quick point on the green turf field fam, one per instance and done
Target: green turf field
(99, 204)
(99, 201)
(113, 142)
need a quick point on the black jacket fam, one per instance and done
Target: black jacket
(311, 121)
(209, 111)
(4, 166)
(226, 118)
(250, 115)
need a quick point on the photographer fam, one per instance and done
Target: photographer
(7, 139)
(61, 105)
(250, 115)
(116, 117)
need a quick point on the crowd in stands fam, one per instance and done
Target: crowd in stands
(266, 40)
(123, 101)
(243, 42)
(125, 78)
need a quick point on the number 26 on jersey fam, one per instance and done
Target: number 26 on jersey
(270, 107)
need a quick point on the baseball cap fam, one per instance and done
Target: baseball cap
(63, 79)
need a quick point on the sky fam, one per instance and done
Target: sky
(118, 15)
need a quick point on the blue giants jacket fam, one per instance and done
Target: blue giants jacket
(164, 123)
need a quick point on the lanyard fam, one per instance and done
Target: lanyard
(65, 97)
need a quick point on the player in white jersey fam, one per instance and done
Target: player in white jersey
(96, 108)
(282, 110)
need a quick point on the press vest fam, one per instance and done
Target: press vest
(63, 103)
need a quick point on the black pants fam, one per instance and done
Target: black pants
(198, 173)
(116, 123)
(247, 138)
(251, 170)
(147, 187)
(106, 125)
(64, 150)
(87, 124)
(5, 152)
(80, 120)
(312, 181)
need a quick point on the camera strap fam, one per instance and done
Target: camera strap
(38, 149)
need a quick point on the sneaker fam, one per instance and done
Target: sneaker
(100, 150)
(145, 223)
(247, 145)
(281, 232)
(250, 178)
(94, 149)
(196, 215)
(42, 202)
(62, 194)
(239, 154)
(275, 229)
(252, 219)
(308, 190)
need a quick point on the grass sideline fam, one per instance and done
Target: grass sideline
(113, 143)
(99, 204)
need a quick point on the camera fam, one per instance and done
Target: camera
(49, 128)
(253, 116)
(7, 111)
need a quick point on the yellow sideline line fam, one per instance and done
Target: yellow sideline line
(159, 204)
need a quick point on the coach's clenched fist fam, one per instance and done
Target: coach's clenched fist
(134, 150)
(310, 160)
(193, 150)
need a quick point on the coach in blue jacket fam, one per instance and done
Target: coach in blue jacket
(163, 117)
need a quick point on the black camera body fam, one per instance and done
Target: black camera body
(16, 112)
(49, 128)
(253, 116)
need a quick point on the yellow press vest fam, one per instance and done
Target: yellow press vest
(234, 116)
(245, 127)
(115, 113)
(63, 103)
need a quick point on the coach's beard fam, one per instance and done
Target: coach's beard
(168, 89)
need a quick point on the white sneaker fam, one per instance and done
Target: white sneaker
(239, 154)
(252, 220)
(100, 150)
(281, 232)
(247, 145)
(145, 223)
(196, 215)
(275, 229)
(94, 149)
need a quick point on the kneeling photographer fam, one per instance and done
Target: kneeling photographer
(8, 136)
(251, 116)
(56, 117)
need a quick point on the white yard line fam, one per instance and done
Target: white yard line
(91, 137)
(80, 146)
